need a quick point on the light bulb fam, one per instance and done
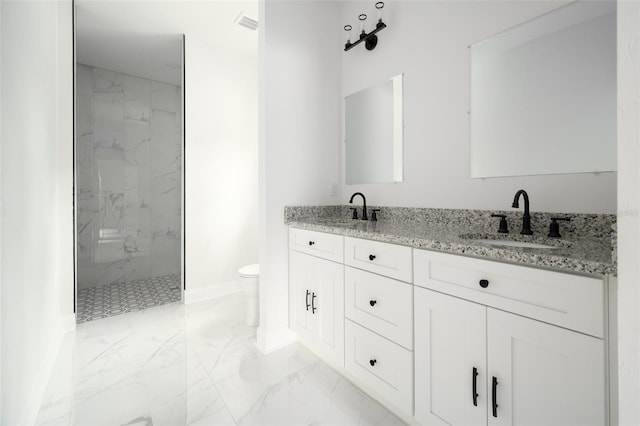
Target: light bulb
(362, 18)
(379, 6)
(347, 30)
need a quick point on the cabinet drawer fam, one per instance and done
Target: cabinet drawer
(380, 304)
(382, 258)
(381, 364)
(320, 244)
(567, 300)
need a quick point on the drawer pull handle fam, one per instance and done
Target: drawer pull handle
(307, 300)
(373, 362)
(494, 392)
(313, 304)
(373, 302)
(484, 283)
(474, 386)
(311, 243)
(372, 256)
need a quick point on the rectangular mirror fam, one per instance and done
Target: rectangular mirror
(543, 95)
(374, 134)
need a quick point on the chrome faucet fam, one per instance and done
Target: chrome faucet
(364, 204)
(526, 218)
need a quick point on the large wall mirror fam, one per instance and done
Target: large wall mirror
(374, 134)
(543, 95)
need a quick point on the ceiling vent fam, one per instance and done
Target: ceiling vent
(247, 21)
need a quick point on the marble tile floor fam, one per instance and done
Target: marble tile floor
(195, 365)
(119, 298)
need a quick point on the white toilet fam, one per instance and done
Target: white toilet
(249, 278)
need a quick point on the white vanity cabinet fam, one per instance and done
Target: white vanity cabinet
(523, 348)
(316, 292)
(445, 339)
(378, 324)
(372, 336)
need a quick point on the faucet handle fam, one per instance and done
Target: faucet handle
(355, 213)
(554, 227)
(504, 229)
(374, 216)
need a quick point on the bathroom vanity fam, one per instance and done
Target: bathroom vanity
(445, 329)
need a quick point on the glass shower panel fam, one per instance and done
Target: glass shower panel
(128, 172)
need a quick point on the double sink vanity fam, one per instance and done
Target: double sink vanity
(445, 320)
(466, 317)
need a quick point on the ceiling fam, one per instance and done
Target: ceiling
(144, 37)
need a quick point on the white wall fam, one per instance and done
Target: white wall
(299, 136)
(629, 211)
(2, 36)
(64, 121)
(428, 42)
(221, 164)
(37, 266)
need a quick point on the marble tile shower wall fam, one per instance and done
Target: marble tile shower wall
(128, 169)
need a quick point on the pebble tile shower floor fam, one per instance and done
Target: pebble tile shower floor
(118, 298)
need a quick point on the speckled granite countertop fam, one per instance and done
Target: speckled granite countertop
(586, 246)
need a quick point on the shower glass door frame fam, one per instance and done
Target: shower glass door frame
(182, 185)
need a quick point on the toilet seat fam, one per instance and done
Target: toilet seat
(250, 271)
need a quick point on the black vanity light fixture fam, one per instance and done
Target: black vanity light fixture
(370, 39)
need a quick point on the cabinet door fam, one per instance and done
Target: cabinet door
(327, 306)
(450, 360)
(301, 284)
(545, 375)
(316, 303)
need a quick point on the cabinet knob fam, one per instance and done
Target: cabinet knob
(311, 243)
(372, 256)
(372, 362)
(484, 283)
(373, 302)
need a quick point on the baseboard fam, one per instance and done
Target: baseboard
(66, 323)
(272, 340)
(210, 292)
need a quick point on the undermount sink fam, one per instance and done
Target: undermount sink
(509, 243)
(516, 241)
